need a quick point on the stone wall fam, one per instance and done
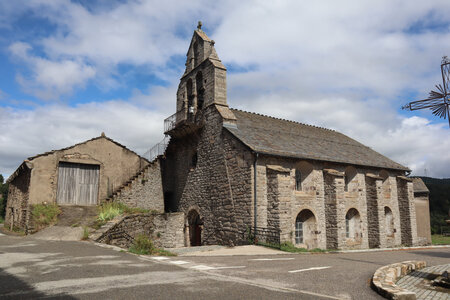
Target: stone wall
(331, 217)
(373, 213)
(165, 230)
(144, 191)
(407, 212)
(218, 187)
(17, 212)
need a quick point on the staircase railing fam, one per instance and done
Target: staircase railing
(172, 121)
(157, 150)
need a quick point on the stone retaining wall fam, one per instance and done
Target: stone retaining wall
(165, 230)
(383, 281)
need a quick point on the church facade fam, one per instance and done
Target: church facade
(238, 175)
(231, 177)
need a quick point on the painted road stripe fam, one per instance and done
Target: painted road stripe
(179, 262)
(269, 259)
(309, 269)
(230, 267)
(202, 267)
(160, 258)
(1, 234)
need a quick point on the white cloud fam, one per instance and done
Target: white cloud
(339, 64)
(50, 79)
(29, 132)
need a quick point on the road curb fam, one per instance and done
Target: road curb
(383, 281)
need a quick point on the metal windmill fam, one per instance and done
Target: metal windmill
(438, 102)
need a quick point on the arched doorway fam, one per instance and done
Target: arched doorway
(305, 229)
(195, 228)
(353, 225)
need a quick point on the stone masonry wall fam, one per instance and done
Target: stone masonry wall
(219, 187)
(165, 230)
(405, 213)
(373, 217)
(17, 212)
(331, 211)
(145, 191)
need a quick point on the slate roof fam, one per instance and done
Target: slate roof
(419, 186)
(273, 136)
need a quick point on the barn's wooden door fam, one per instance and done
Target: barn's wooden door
(77, 184)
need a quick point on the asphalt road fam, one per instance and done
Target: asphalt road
(31, 269)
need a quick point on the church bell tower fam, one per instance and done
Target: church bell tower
(203, 84)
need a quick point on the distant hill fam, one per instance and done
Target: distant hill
(439, 202)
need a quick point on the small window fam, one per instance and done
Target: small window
(299, 232)
(194, 160)
(298, 180)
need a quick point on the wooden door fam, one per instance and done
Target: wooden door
(77, 184)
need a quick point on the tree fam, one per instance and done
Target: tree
(3, 196)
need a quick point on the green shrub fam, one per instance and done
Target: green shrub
(85, 233)
(45, 214)
(2, 220)
(142, 245)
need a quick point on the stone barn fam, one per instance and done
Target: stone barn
(83, 175)
(238, 175)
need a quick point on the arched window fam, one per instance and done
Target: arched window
(302, 171)
(389, 222)
(200, 90)
(195, 54)
(190, 94)
(350, 174)
(298, 180)
(352, 224)
(305, 228)
(194, 160)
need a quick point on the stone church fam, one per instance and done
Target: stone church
(237, 175)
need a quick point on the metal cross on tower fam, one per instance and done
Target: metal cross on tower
(438, 102)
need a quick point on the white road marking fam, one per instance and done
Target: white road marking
(179, 262)
(309, 269)
(270, 259)
(230, 267)
(1, 234)
(202, 267)
(160, 258)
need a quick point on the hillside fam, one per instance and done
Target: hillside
(439, 201)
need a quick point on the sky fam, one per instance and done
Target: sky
(70, 70)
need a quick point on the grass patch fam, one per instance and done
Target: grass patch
(45, 214)
(2, 220)
(85, 235)
(110, 210)
(289, 247)
(438, 239)
(144, 246)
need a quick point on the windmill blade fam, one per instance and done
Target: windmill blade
(440, 110)
(434, 94)
(421, 104)
(445, 71)
(439, 87)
